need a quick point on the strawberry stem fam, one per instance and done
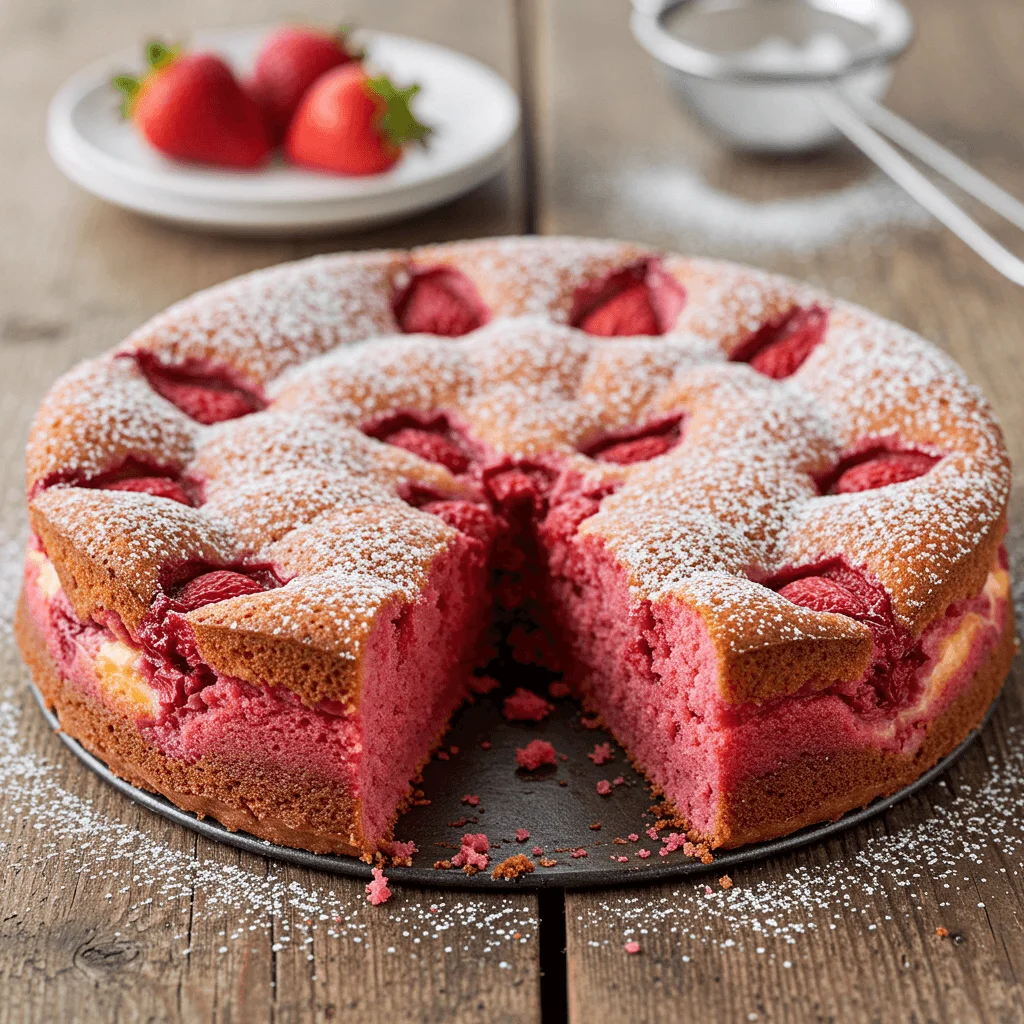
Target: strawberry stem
(397, 122)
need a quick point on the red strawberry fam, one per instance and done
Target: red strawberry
(440, 300)
(431, 446)
(207, 404)
(350, 123)
(205, 399)
(216, 586)
(823, 595)
(641, 298)
(884, 469)
(158, 486)
(639, 449)
(629, 312)
(190, 107)
(291, 59)
(778, 349)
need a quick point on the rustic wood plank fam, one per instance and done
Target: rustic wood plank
(193, 930)
(849, 941)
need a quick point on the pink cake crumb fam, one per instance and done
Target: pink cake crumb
(557, 690)
(643, 854)
(618, 781)
(674, 841)
(651, 832)
(472, 799)
(601, 753)
(604, 787)
(485, 744)
(632, 947)
(453, 751)
(526, 706)
(622, 860)
(483, 684)
(473, 854)
(590, 723)
(522, 835)
(633, 837)
(537, 851)
(377, 891)
(443, 755)
(535, 754)
(401, 853)
(579, 852)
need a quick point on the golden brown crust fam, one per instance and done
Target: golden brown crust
(110, 547)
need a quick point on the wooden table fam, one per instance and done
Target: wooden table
(841, 931)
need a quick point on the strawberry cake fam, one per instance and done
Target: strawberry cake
(277, 531)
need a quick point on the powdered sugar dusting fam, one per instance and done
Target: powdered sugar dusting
(738, 496)
(101, 413)
(678, 200)
(260, 324)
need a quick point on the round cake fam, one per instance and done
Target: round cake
(279, 531)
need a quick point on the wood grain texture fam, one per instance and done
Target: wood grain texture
(858, 943)
(75, 276)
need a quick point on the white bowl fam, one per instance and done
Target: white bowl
(473, 111)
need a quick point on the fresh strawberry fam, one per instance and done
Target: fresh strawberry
(350, 123)
(291, 59)
(190, 107)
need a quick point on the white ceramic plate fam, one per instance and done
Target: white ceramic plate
(473, 111)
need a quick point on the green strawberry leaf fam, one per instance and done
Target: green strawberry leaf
(159, 55)
(128, 86)
(398, 123)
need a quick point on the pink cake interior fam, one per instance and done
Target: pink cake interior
(651, 672)
(418, 663)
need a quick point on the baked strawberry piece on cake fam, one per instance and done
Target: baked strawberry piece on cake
(758, 532)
